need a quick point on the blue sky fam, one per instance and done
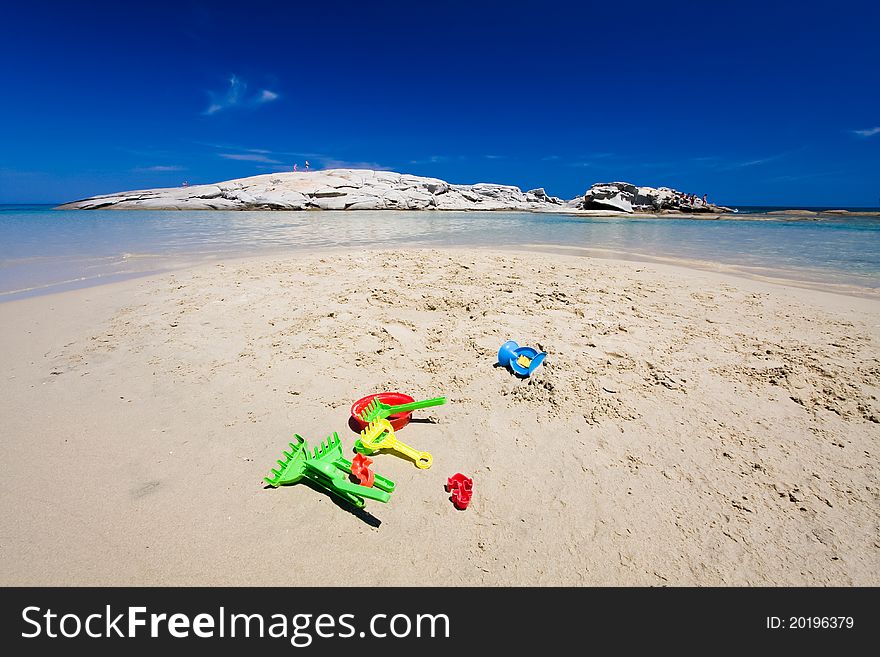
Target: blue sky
(750, 103)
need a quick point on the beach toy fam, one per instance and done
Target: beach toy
(326, 467)
(462, 489)
(521, 360)
(379, 434)
(397, 420)
(376, 409)
(394, 406)
(360, 468)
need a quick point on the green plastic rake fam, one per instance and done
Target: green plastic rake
(327, 468)
(376, 410)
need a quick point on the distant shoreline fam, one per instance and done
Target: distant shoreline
(367, 189)
(46, 250)
(797, 278)
(742, 209)
(776, 215)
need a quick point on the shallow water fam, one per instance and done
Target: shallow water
(44, 250)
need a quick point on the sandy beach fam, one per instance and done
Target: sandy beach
(688, 426)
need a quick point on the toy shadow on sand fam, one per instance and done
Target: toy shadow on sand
(326, 470)
(360, 514)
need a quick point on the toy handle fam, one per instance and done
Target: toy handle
(362, 491)
(413, 406)
(382, 483)
(329, 485)
(423, 459)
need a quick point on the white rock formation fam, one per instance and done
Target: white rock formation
(333, 189)
(613, 196)
(626, 197)
(365, 189)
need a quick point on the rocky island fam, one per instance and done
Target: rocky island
(365, 189)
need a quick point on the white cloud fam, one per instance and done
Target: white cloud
(236, 96)
(803, 176)
(752, 163)
(433, 159)
(230, 98)
(439, 159)
(300, 154)
(868, 132)
(249, 157)
(345, 164)
(275, 168)
(162, 167)
(589, 159)
(759, 161)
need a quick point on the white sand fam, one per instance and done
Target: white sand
(687, 427)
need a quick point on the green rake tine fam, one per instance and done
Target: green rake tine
(325, 467)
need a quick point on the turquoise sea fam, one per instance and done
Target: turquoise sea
(44, 250)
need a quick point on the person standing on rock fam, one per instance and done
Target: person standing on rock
(307, 165)
(705, 202)
(294, 168)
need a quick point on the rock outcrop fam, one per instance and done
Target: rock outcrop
(332, 189)
(626, 197)
(365, 189)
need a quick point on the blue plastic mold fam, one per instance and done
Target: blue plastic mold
(522, 361)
